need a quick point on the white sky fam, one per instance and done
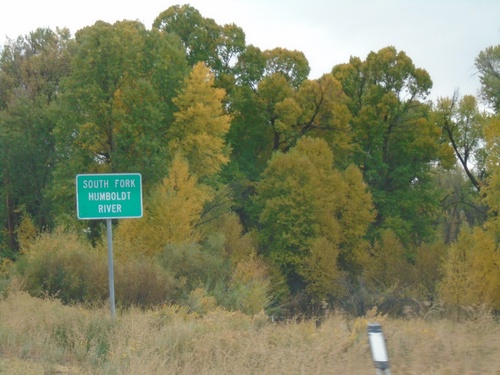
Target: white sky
(442, 36)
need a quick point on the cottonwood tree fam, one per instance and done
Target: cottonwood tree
(274, 105)
(204, 40)
(312, 217)
(462, 123)
(115, 106)
(264, 104)
(31, 70)
(397, 144)
(488, 66)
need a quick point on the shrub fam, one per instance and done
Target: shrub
(195, 264)
(470, 271)
(143, 282)
(64, 265)
(249, 287)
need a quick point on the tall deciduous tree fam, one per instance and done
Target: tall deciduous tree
(491, 190)
(488, 65)
(201, 123)
(204, 40)
(31, 69)
(275, 105)
(462, 123)
(116, 105)
(197, 33)
(396, 141)
(312, 217)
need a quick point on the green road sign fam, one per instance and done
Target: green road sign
(109, 196)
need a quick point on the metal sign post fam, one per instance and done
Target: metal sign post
(379, 351)
(111, 272)
(109, 196)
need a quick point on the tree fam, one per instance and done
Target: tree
(173, 208)
(396, 141)
(200, 124)
(31, 70)
(488, 66)
(461, 203)
(491, 190)
(462, 123)
(115, 106)
(198, 34)
(274, 105)
(471, 271)
(107, 57)
(312, 217)
(204, 40)
(324, 114)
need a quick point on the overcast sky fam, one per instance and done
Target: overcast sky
(442, 36)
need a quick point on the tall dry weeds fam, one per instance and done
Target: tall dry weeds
(43, 336)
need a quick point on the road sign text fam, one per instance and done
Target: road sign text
(109, 196)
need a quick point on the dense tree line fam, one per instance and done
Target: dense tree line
(269, 189)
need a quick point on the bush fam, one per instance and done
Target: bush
(195, 264)
(65, 266)
(249, 287)
(62, 264)
(142, 282)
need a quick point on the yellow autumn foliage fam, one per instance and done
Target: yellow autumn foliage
(471, 271)
(170, 214)
(201, 123)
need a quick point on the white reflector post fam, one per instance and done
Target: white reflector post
(377, 345)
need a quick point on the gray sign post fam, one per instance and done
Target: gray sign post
(109, 196)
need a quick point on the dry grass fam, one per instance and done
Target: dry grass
(42, 336)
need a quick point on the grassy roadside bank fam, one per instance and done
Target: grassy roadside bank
(43, 336)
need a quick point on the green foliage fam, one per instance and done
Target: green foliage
(198, 34)
(309, 213)
(31, 69)
(387, 267)
(194, 265)
(65, 266)
(395, 140)
(462, 123)
(292, 65)
(267, 113)
(487, 63)
(115, 107)
(204, 40)
(257, 180)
